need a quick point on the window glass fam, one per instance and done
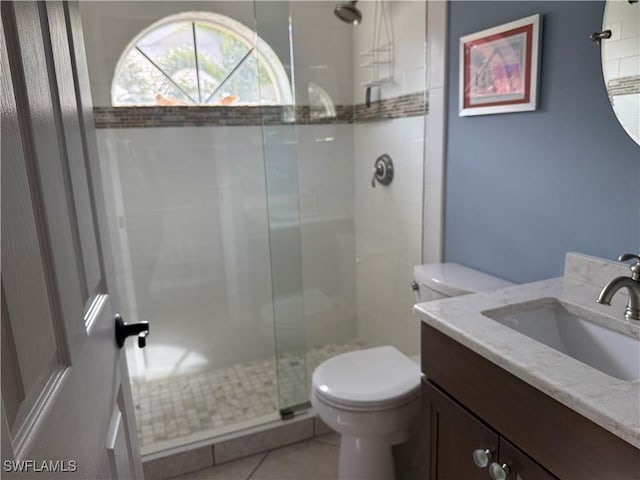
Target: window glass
(205, 59)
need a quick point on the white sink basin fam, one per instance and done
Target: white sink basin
(566, 328)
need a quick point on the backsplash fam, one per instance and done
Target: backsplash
(593, 270)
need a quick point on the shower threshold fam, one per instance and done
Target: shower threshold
(214, 436)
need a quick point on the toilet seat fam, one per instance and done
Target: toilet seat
(372, 379)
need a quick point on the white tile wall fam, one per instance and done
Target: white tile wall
(626, 108)
(620, 52)
(193, 224)
(407, 21)
(437, 43)
(434, 157)
(388, 231)
(322, 51)
(187, 209)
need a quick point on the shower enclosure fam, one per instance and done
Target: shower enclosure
(228, 142)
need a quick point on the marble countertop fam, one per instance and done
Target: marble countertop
(611, 403)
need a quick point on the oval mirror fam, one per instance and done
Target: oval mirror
(621, 62)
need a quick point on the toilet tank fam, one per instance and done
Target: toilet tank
(442, 280)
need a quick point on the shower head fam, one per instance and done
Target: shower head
(347, 12)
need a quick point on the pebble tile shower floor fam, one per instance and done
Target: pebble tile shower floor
(171, 408)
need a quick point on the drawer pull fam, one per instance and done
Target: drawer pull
(481, 457)
(498, 472)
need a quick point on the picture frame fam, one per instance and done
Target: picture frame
(499, 68)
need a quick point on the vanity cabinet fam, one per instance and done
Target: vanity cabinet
(469, 403)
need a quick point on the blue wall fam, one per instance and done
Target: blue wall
(522, 189)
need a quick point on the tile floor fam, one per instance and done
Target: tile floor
(315, 459)
(171, 408)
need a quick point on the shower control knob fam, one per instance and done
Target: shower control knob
(382, 170)
(378, 172)
(124, 330)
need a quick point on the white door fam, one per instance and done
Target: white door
(66, 401)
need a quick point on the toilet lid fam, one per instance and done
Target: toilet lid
(371, 378)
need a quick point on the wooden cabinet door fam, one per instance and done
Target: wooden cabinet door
(521, 467)
(451, 436)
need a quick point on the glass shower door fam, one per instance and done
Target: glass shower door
(279, 134)
(189, 219)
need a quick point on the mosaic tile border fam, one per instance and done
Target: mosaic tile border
(179, 116)
(624, 85)
(411, 105)
(172, 116)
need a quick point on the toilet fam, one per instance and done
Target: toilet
(371, 397)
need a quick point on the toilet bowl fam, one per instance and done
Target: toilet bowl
(371, 397)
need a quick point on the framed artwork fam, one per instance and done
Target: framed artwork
(499, 68)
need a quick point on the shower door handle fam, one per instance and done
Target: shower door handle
(124, 330)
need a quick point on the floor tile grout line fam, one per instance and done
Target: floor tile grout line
(255, 469)
(325, 442)
(262, 460)
(268, 452)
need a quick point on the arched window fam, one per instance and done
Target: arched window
(199, 58)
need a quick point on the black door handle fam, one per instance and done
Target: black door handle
(124, 330)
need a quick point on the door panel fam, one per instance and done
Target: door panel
(38, 129)
(454, 435)
(31, 329)
(85, 230)
(120, 462)
(12, 387)
(70, 398)
(520, 465)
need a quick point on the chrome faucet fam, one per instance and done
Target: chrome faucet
(632, 284)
